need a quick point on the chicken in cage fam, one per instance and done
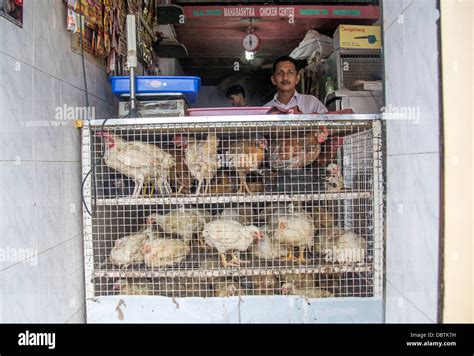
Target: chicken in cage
(229, 210)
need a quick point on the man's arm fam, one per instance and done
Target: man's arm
(317, 106)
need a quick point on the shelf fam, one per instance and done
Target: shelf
(261, 198)
(262, 271)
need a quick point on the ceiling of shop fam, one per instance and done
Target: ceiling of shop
(214, 44)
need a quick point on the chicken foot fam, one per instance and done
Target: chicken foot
(138, 186)
(301, 258)
(234, 262)
(290, 256)
(148, 183)
(163, 186)
(198, 189)
(237, 260)
(243, 184)
(201, 185)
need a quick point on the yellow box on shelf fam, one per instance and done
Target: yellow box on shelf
(353, 36)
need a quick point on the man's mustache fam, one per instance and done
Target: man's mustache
(284, 82)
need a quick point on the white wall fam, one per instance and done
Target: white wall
(413, 160)
(40, 172)
(456, 21)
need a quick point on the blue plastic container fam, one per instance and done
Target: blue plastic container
(189, 86)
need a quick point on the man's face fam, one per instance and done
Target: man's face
(237, 100)
(285, 77)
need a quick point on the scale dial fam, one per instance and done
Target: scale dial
(251, 42)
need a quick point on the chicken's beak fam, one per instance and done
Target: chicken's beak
(257, 235)
(178, 141)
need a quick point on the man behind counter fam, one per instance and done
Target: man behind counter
(287, 99)
(236, 95)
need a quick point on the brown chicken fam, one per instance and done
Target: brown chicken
(298, 150)
(245, 156)
(201, 158)
(329, 151)
(180, 177)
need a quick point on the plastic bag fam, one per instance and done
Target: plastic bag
(313, 45)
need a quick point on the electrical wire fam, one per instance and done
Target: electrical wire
(94, 163)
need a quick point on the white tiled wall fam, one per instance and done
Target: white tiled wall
(40, 172)
(411, 56)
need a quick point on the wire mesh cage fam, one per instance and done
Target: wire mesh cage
(359, 66)
(351, 67)
(216, 209)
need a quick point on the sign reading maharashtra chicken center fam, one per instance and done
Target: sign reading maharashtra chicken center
(301, 11)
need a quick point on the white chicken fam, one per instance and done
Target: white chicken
(128, 250)
(308, 292)
(125, 287)
(182, 222)
(339, 246)
(164, 252)
(201, 158)
(293, 229)
(334, 181)
(227, 289)
(242, 213)
(267, 248)
(139, 161)
(229, 235)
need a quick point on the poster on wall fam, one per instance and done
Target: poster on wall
(12, 10)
